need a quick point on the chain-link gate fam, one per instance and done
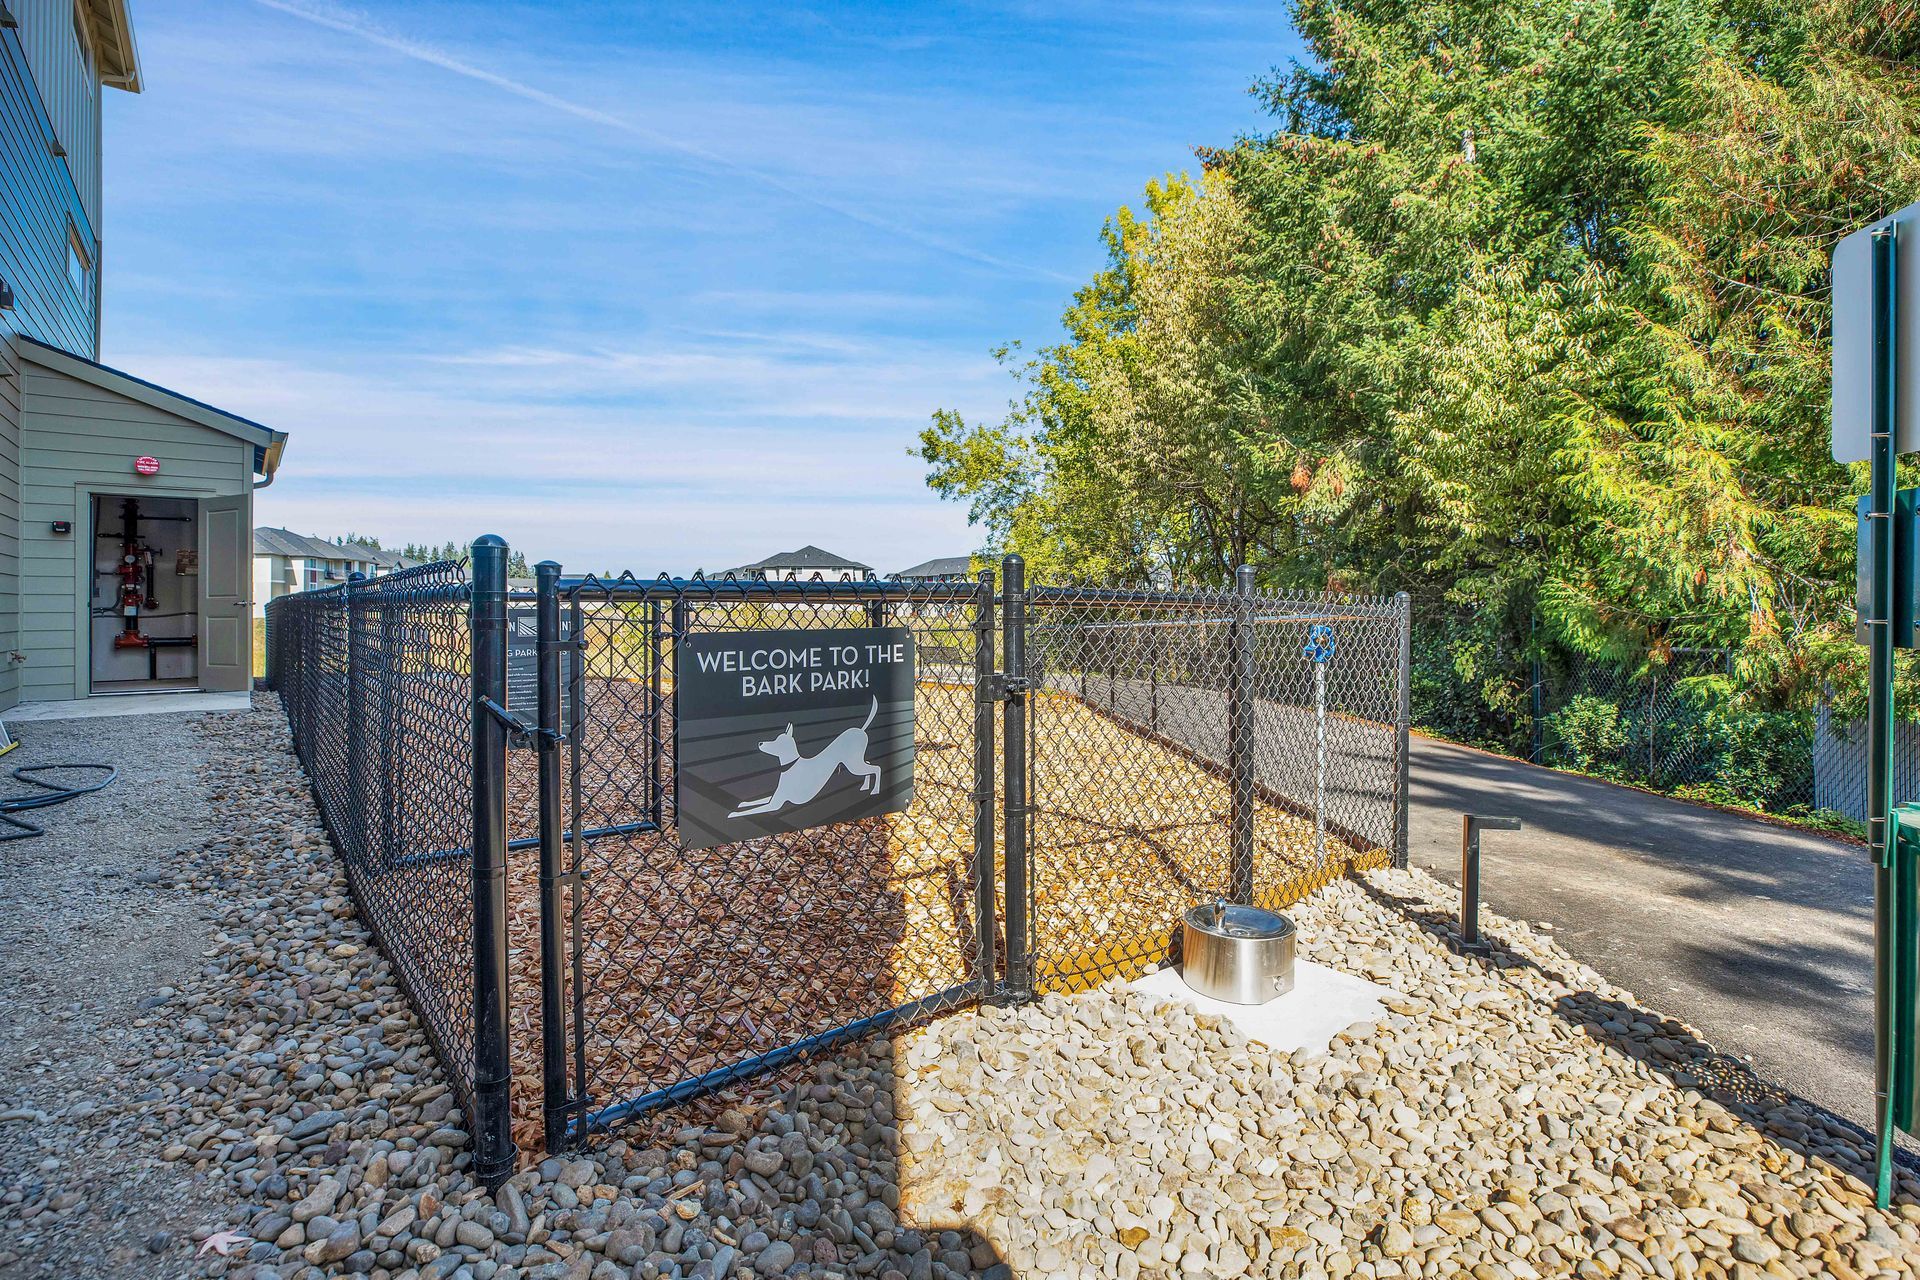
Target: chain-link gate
(688, 968)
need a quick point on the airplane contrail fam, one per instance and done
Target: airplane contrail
(354, 25)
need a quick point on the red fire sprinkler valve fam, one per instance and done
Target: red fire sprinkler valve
(136, 579)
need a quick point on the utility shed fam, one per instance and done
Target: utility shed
(115, 471)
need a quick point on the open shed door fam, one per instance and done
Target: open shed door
(226, 627)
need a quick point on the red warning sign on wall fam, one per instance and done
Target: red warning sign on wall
(147, 466)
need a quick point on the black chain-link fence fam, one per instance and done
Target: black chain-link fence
(376, 678)
(1678, 720)
(1200, 745)
(523, 807)
(689, 967)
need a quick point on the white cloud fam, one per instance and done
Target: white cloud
(807, 446)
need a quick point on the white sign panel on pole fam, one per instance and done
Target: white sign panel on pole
(1853, 339)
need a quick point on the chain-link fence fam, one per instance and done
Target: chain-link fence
(1190, 746)
(530, 797)
(688, 966)
(376, 678)
(1678, 720)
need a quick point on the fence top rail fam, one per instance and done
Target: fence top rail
(1124, 597)
(629, 587)
(1214, 620)
(441, 581)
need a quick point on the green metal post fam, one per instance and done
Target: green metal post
(1886, 1002)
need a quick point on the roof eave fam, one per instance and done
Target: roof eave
(268, 444)
(119, 53)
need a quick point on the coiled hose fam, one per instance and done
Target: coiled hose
(50, 793)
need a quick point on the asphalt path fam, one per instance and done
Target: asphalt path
(1758, 935)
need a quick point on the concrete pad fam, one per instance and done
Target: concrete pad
(1323, 1003)
(128, 704)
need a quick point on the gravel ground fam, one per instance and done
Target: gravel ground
(96, 947)
(1513, 1116)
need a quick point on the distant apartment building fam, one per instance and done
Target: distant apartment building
(285, 562)
(803, 565)
(944, 569)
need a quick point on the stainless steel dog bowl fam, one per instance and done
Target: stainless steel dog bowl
(1243, 955)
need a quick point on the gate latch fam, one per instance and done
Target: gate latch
(519, 732)
(1002, 685)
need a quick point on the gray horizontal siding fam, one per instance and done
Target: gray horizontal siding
(68, 91)
(38, 202)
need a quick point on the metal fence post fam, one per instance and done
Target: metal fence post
(356, 814)
(656, 744)
(1013, 587)
(1880, 698)
(983, 792)
(1240, 741)
(1403, 727)
(1536, 695)
(492, 1074)
(548, 645)
(392, 673)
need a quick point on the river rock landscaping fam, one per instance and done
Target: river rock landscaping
(1512, 1116)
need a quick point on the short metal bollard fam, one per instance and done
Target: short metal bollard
(1471, 825)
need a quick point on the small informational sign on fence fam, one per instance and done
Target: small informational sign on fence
(784, 730)
(523, 668)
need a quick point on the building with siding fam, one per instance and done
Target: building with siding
(126, 509)
(944, 569)
(285, 562)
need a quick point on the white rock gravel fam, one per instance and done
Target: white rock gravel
(1513, 1116)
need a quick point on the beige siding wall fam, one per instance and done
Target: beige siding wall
(75, 436)
(70, 90)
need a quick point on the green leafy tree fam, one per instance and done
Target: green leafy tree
(1522, 307)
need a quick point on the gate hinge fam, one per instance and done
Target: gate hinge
(1002, 685)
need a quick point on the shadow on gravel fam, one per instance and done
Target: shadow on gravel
(809, 1157)
(1671, 1049)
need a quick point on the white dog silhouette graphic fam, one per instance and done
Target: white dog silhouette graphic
(804, 777)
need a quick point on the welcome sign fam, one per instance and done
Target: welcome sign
(779, 731)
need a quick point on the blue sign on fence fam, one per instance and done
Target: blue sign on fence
(1319, 646)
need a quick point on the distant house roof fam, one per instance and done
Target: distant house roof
(808, 559)
(388, 560)
(285, 542)
(944, 567)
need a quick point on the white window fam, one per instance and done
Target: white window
(79, 270)
(84, 47)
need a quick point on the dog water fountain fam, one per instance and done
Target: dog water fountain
(1236, 953)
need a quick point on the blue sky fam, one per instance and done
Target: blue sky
(644, 286)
